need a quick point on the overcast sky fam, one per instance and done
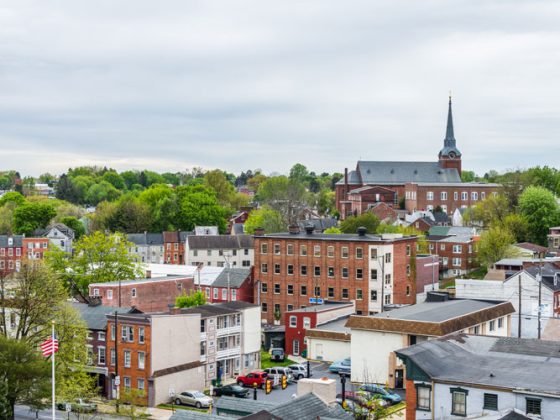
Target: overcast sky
(240, 85)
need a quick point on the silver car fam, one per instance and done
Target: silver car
(278, 372)
(299, 371)
(194, 398)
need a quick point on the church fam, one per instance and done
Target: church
(411, 185)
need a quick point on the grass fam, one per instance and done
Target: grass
(182, 407)
(267, 363)
(478, 274)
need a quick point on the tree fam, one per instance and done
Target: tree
(7, 218)
(286, 196)
(66, 190)
(326, 201)
(540, 208)
(266, 218)
(129, 215)
(517, 225)
(104, 191)
(75, 225)
(195, 298)
(490, 210)
(198, 206)
(367, 220)
(31, 216)
(299, 173)
(113, 178)
(468, 176)
(98, 258)
(217, 180)
(333, 230)
(494, 245)
(5, 182)
(162, 202)
(12, 197)
(23, 372)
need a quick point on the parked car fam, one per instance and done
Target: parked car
(342, 367)
(279, 371)
(257, 377)
(194, 398)
(232, 391)
(79, 405)
(388, 395)
(299, 371)
(277, 354)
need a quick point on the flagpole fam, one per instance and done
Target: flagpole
(53, 378)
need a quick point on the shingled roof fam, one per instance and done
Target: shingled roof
(220, 242)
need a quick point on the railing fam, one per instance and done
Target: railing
(229, 330)
(235, 351)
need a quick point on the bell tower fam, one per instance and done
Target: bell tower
(450, 156)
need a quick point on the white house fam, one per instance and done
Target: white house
(469, 376)
(220, 250)
(374, 339)
(62, 236)
(509, 290)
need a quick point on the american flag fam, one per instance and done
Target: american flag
(49, 346)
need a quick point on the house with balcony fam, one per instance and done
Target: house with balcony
(230, 339)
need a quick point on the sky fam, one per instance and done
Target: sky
(240, 85)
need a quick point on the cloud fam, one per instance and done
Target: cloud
(249, 84)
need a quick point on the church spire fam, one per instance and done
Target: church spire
(449, 135)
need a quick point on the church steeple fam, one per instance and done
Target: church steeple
(449, 135)
(450, 156)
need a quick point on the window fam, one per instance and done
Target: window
(89, 335)
(388, 257)
(500, 322)
(127, 358)
(112, 331)
(317, 250)
(464, 195)
(423, 397)
(276, 288)
(455, 196)
(276, 268)
(101, 335)
(290, 269)
(482, 195)
(246, 251)
(344, 293)
(442, 247)
(307, 322)
(113, 356)
(330, 292)
(408, 250)
(276, 308)
(476, 329)
(276, 249)
(264, 307)
(127, 333)
(490, 402)
(492, 325)
(264, 248)
(141, 360)
(127, 382)
(373, 295)
(443, 195)
(317, 271)
(407, 290)
(533, 406)
(100, 355)
(264, 268)
(318, 291)
(133, 292)
(95, 292)
(373, 274)
(195, 253)
(387, 278)
(456, 262)
(408, 270)
(387, 299)
(224, 294)
(359, 294)
(264, 287)
(202, 325)
(303, 270)
(246, 263)
(330, 271)
(344, 272)
(474, 196)
(215, 293)
(459, 401)
(430, 195)
(303, 250)
(344, 252)
(293, 321)
(290, 289)
(373, 253)
(330, 251)
(290, 249)
(359, 253)
(140, 384)
(359, 273)
(303, 290)
(109, 294)
(457, 249)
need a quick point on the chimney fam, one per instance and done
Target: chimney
(293, 229)
(259, 231)
(362, 231)
(345, 183)
(148, 274)
(309, 229)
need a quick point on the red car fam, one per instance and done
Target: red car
(257, 377)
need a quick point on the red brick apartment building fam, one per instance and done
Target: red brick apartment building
(422, 185)
(298, 269)
(35, 248)
(174, 247)
(456, 248)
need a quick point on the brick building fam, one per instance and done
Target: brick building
(417, 185)
(147, 295)
(174, 247)
(235, 282)
(35, 248)
(297, 269)
(456, 248)
(11, 251)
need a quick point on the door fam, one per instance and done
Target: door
(319, 351)
(399, 378)
(295, 347)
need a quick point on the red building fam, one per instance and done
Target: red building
(456, 248)
(11, 253)
(174, 247)
(298, 321)
(237, 281)
(35, 248)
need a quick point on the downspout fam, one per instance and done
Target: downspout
(433, 400)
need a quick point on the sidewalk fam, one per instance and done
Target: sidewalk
(159, 413)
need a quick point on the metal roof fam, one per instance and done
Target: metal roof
(95, 316)
(337, 325)
(375, 172)
(17, 241)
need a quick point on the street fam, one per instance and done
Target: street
(23, 412)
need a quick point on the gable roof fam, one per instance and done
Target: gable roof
(95, 316)
(237, 276)
(220, 242)
(374, 172)
(532, 247)
(145, 238)
(63, 229)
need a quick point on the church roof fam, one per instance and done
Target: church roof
(449, 143)
(372, 172)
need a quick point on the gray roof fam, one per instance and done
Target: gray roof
(237, 277)
(337, 325)
(353, 178)
(195, 415)
(142, 281)
(309, 407)
(514, 415)
(327, 306)
(437, 311)
(238, 229)
(243, 405)
(237, 305)
(318, 224)
(510, 363)
(95, 316)
(372, 172)
(146, 238)
(220, 241)
(346, 237)
(17, 241)
(64, 229)
(209, 310)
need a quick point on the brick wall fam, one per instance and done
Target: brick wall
(410, 400)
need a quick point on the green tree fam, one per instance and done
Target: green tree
(268, 219)
(326, 202)
(5, 182)
(12, 197)
(75, 225)
(129, 215)
(162, 202)
(334, 230)
(367, 220)
(468, 176)
(66, 190)
(31, 216)
(98, 258)
(198, 206)
(517, 225)
(299, 173)
(493, 209)
(494, 245)
(113, 178)
(7, 218)
(195, 298)
(287, 196)
(104, 191)
(540, 208)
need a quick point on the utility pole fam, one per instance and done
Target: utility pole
(540, 300)
(117, 378)
(519, 310)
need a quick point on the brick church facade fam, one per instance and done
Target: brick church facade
(416, 185)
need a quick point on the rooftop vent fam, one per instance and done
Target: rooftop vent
(309, 229)
(293, 229)
(362, 231)
(437, 296)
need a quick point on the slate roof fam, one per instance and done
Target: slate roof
(220, 242)
(353, 179)
(194, 415)
(451, 230)
(441, 217)
(95, 316)
(433, 318)
(327, 306)
(17, 241)
(238, 229)
(394, 173)
(146, 238)
(237, 277)
(248, 406)
(512, 363)
(549, 273)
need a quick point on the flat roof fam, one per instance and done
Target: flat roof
(345, 237)
(327, 306)
(141, 281)
(336, 325)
